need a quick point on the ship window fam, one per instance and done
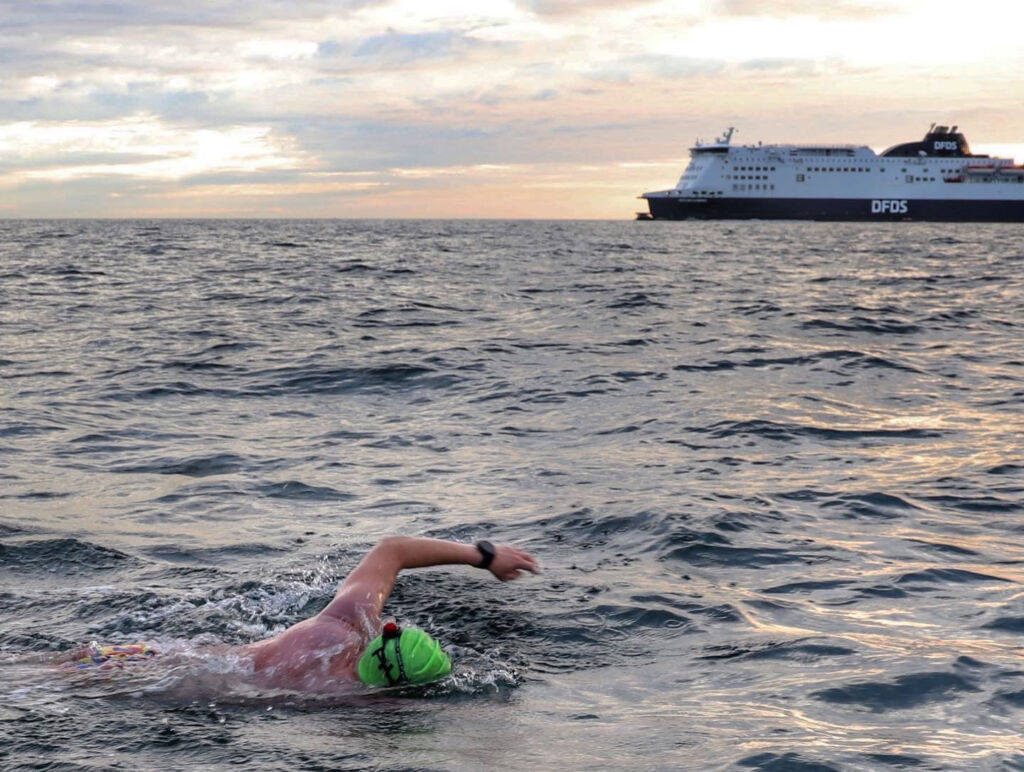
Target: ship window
(799, 178)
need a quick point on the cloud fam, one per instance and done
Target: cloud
(628, 69)
(87, 16)
(781, 64)
(555, 8)
(836, 9)
(141, 146)
(407, 47)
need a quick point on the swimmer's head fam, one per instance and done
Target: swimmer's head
(403, 656)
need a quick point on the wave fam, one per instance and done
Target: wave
(61, 556)
(848, 359)
(785, 431)
(901, 693)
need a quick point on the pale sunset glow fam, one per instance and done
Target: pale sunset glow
(513, 108)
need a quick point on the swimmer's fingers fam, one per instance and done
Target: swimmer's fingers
(510, 563)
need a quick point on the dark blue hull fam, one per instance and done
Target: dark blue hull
(835, 209)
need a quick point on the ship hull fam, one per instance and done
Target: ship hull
(835, 209)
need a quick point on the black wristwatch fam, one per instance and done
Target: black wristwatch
(487, 553)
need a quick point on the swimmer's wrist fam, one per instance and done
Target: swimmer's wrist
(487, 552)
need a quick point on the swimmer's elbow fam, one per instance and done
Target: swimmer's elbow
(389, 545)
(390, 552)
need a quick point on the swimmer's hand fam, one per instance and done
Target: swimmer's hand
(510, 562)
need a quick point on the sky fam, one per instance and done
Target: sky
(491, 108)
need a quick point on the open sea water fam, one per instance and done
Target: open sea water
(774, 473)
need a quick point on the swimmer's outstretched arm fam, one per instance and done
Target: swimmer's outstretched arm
(365, 591)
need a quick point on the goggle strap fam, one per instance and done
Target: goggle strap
(386, 666)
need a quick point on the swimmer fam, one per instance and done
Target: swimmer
(335, 647)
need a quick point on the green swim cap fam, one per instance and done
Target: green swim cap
(402, 656)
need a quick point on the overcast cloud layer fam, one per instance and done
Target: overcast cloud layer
(524, 108)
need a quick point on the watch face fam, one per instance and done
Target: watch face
(486, 553)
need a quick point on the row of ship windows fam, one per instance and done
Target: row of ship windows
(822, 169)
(837, 169)
(745, 176)
(909, 178)
(864, 169)
(736, 186)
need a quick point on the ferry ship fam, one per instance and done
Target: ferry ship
(938, 178)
